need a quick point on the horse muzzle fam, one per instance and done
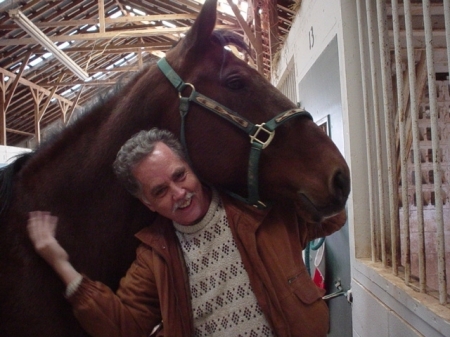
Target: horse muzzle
(334, 203)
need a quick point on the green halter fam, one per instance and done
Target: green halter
(253, 130)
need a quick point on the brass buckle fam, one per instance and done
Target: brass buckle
(186, 85)
(260, 127)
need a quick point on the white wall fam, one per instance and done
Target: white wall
(7, 153)
(383, 306)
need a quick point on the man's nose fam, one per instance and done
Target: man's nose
(178, 192)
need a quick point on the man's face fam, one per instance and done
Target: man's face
(170, 188)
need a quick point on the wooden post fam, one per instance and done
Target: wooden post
(258, 35)
(101, 15)
(2, 110)
(6, 98)
(37, 96)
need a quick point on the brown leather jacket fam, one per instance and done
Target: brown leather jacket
(156, 286)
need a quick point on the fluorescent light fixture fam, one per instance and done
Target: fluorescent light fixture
(39, 36)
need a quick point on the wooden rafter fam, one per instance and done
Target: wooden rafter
(109, 35)
(116, 37)
(246, 28)
(72, 108)
(32, 85)
(101, 16)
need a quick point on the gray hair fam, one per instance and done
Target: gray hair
(136, 149)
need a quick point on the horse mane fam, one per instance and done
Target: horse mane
(226, 37)
(6, 179)
(53, 141)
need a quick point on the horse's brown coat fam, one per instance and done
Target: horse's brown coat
(72, 176)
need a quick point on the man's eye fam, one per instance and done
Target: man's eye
(180, 176)
(160, 192)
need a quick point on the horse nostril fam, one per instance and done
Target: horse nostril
(341, 185)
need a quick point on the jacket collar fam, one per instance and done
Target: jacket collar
(160, 233)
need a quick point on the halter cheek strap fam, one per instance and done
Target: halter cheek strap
(261, 135)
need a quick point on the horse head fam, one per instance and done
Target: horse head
(301, 163)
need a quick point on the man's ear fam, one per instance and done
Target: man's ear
(147, 204)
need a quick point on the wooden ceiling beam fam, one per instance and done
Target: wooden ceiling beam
(274, 35)
(31, 84)
(73, 83)
(108, 21)
(19, 132)
(108, 35)
(258, 35)
(124, 48)
(245, 27)
(72, 108)
(285, 9)
(16, 81)
(49, 97)
(101, 16)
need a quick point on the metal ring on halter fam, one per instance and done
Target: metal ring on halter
(184, 86)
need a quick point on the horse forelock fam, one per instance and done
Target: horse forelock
(226, 37)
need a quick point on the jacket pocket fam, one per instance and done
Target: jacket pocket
(304, 288)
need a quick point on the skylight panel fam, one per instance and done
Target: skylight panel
(64, 45)
(119, 62)
(168, 24)
(36, 61)
(116, 15)
(92, 28)
(15, 65)
(67, 92)
(139, 12)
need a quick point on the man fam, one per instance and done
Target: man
(208, 266)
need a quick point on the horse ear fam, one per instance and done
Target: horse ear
(200, 32)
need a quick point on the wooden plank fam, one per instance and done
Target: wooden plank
(109, 21)
(50, 97)
(101, 16)
(75, 102)
(109, 35)
(118, 49)
(33, 85)
(258, 34)
(245, 27)
(16, 81)
(274, 35)
(2, 112)
(73, 83)
(19, 132)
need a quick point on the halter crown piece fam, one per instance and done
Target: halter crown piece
(266, 130)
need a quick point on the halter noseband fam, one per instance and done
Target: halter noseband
(253, 130)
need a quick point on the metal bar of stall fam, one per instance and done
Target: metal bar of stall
(368, 126)
(378, 142)
(447, 31)
(439, 219)
(416, 148)
(406, 241)
(386, 80)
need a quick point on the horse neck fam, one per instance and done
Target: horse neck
(96, 136)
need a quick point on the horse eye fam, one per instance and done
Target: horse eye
(235, 83)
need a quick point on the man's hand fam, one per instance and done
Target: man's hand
(41, 229)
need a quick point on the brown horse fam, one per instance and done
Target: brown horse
(71, 176)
